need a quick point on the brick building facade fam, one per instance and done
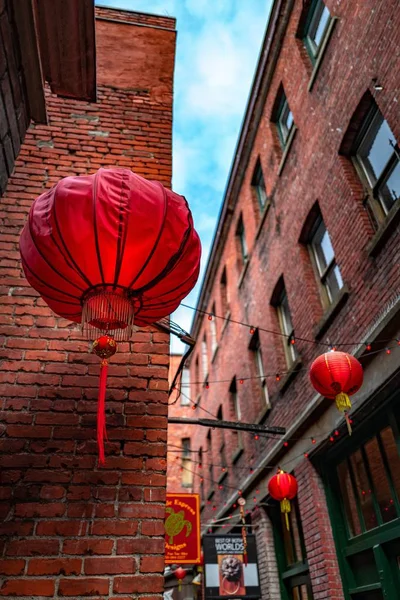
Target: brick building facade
(180, 451)
(307, 247)
(69, 528)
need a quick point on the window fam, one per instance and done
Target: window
(284, 120)
(291, 554)
(363, 493)
(185, 387)
(286, 325)
(324, 259)
(223, 284)
(222, 454)
(241, 242)
(200, 471)
(377, 158)
(255, 346)
(369, 481)
(187, 474)
(258, 185)
(210, 464)
(204, 358)
(316, 28)
(235, 410)
(213, 332)
(197, 377)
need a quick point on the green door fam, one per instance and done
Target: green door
(362, 480)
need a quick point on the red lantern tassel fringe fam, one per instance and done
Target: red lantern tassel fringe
(101, 411)
(285, 509)
(343, 404)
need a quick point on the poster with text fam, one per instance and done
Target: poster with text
(182, 529)
(225, 573)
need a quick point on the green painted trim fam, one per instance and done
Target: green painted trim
(386, 533)
(376, 538)
(366, 588)
(297, 569)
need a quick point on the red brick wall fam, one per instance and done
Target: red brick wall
(69, 528)
(356, 54)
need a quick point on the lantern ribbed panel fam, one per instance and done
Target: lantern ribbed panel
(116, 233)
(335, 372)
(282, 486)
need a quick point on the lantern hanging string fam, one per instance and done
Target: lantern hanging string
(252, 328)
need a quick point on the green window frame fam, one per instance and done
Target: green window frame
(290, 553)
(241, 238)
(316, 29)
(376, 156)
(362, 484)
(323, 258)
(258, 185)
(287, 329)
(284, 120)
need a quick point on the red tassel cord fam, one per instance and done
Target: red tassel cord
(101, 411)
(104, 347)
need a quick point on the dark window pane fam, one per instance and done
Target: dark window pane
(380, 482)
(285, 120)
(392, 455)
(349, 500)
(334, 283)
(389, 191)
(363, 490)
(323, 249)
(318, 25)
(301, 593)
(259, 186)
(376, 148)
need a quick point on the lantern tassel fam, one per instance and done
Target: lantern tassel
(285, 509)
(348, 423)
(343, 404)
(101, 411)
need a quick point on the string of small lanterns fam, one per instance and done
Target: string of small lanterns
(292, 338)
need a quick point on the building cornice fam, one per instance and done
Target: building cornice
(270, 50)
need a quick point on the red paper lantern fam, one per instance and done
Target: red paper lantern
(109, 250)
(337, 375)
(180, 574)
(283, 487)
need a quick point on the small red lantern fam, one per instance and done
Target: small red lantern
(337, 375)
(283, 487)
(180, 574)
(110, 251)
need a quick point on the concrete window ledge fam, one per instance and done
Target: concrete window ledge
(289, 144)
(331, 313)
(237, 454)
(243, 273)
(385, 230)
(290, 375)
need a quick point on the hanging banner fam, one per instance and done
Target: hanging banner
(225, 571)
(182, 529)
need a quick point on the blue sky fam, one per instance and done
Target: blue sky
(217, 49)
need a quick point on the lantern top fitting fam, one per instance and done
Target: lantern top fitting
(111, 250)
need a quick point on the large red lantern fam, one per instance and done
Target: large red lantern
(110, 250)
(180, 574)
(337, 375)
(283, 487)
